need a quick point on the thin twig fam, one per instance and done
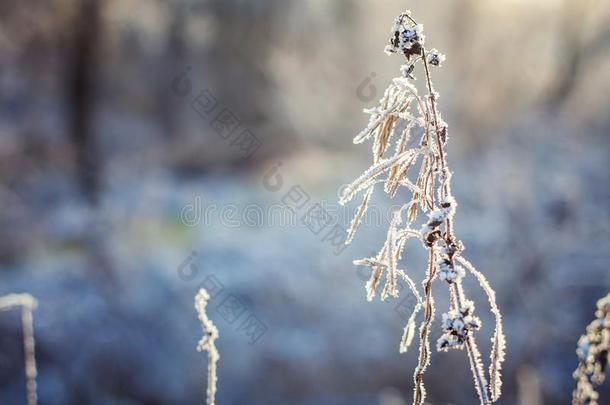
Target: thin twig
(207, 343)
(27, 303)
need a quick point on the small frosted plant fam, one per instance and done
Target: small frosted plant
(593, 352)
(210, 334)
(402, 117)
(27, 303)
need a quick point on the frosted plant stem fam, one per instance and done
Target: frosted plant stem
(27, 304)
(499, 340)
(27, 322)
(474, 355)
(473, 351)
(207, 343)
(424, 335)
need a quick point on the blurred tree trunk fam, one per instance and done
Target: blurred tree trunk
(570, 60)
(238, 65)
(463, 23)
(167, 108)
(82, 76)
(81, 96)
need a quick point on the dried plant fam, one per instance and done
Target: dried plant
(210, 334)
(593, 354)
(404, 116)
(27, 303)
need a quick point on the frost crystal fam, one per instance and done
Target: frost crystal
(457, 324)
(407, 70)
(436, 217)
(435, 58)
(448, 272)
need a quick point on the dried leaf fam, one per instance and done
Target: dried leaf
(359, 215)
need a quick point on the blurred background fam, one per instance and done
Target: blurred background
(151, 147)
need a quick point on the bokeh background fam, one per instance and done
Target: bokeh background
(119, 198)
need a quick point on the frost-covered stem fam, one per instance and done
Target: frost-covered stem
(27, 322)
(441, 150)
(475, 364)
(27, 304)
(207, 343)
(424, 347)
(456, 288)
(424, 337)
(474, 355)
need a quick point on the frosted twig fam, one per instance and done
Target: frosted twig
(27, 304)
(364, 180)
(409, 331)
(210, 334)
(498, 340)
(359, 215)
(424, 335)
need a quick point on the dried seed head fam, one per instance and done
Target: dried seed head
(457, 324)
(593, 351)
(407, 37)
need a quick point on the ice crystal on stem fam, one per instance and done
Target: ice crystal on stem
(207, 343)
(402, 114)
(457, 324)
